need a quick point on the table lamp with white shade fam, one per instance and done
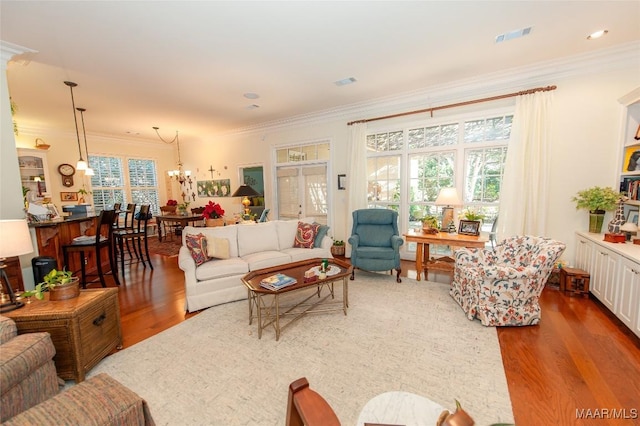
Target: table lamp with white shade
(15, 240)
(448, 197)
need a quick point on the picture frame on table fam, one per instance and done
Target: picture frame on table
(469, 227)
(632, 216)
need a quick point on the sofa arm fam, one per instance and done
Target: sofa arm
(354, 240)
(22, 355)
(473, 256)
(109, 403)
(8, 329)
(185, 261)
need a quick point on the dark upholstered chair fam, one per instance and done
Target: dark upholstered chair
(375, 241)
(306, 407)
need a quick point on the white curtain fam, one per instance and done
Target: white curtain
(524, 192)
(357, 177)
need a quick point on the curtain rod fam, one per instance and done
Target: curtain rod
(459, 104)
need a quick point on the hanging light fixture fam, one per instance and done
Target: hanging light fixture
(81, 165)
(180, 175)
(88, 171)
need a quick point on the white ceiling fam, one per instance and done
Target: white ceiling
(185, 65)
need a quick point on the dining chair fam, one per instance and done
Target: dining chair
(306, 407)
(169, 227)
(85, 246)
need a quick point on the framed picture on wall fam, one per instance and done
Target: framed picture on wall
(68, 196)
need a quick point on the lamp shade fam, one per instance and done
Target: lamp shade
(448, 197)
(15, 238)
(245, 191)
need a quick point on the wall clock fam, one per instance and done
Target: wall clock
(67, 171)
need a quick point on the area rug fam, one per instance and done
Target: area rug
(213, 370)
(168, 247)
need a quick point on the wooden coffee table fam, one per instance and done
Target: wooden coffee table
(270, 306)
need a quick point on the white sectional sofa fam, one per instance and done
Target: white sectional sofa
(251, 247)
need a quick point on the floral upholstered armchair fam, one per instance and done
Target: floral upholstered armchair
(503, 287)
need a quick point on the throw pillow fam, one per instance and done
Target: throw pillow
(197, 245)
(218, 248)
(322, 232)
(305, 235)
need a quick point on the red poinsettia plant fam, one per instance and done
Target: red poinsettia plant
(172, 202)
(212, 211)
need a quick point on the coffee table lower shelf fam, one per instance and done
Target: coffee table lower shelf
(271, 307)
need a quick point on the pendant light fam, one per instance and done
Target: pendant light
(88, 171)
(81, 164)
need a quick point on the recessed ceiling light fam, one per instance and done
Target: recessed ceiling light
(250, 95)
(513, 34)
(345, 81)
(597, 34)
(252, 106)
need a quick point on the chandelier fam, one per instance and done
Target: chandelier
(180, 175)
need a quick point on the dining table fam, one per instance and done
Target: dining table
(176, 219)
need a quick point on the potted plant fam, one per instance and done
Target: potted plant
(337, 249)
(182, 208)
(61, 285)
(597, 200)
(430, 224)
(212, 214)
(470, 214)
(82, 192)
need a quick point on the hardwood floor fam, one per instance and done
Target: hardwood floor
(580, 360)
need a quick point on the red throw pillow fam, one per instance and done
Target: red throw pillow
(306, 235)
(197, 245)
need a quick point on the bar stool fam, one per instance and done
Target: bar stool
(103, 238)
(136, 236)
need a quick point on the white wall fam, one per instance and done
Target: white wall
(584, 148)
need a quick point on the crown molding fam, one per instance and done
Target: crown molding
(514, 79)
(10, 51)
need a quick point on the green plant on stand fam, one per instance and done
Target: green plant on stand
(53, 279)
(597, 200)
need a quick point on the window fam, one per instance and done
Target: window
(144, 183)
(109, 185)
(301, 181)
(406, 168)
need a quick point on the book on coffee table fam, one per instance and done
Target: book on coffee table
(277, 281)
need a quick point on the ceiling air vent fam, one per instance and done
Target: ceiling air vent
(513, 34)
(345, 81)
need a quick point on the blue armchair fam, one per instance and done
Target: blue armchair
(375, 241)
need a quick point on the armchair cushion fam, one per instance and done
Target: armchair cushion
(503, 287)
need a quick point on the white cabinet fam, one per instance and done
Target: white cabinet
(584, 253)
(603, 277)
(34, 171)
(627, 306)
(614, 270)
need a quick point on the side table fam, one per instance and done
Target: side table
(84, 329)
(574, 281)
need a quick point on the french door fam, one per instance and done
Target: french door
(302, 192)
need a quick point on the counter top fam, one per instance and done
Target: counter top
(628, 249)
(55, 222)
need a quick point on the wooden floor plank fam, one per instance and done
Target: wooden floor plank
(579, 357)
